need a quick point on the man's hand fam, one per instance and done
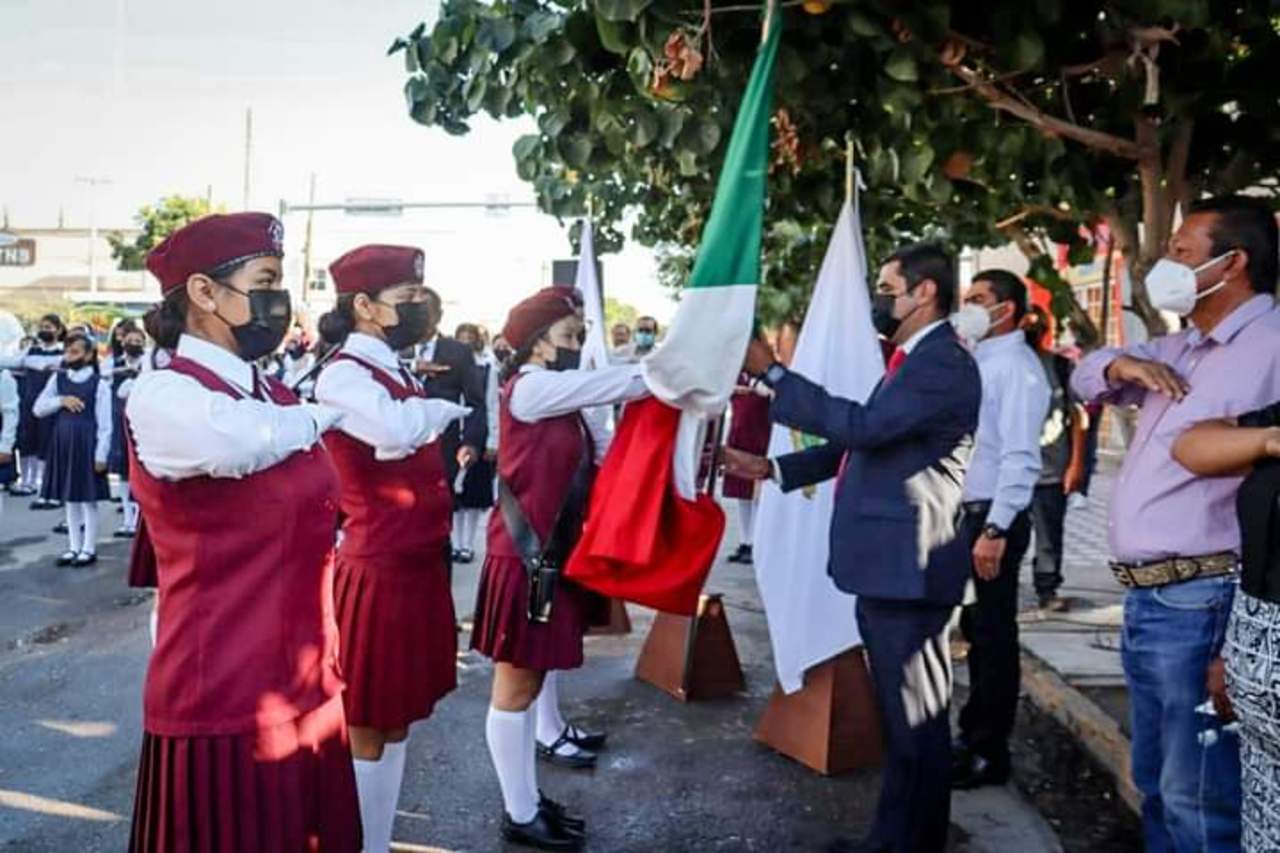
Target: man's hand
(1152, 375)
(1271, 442)
(467, 456)
(100, 467)
(1216, 683)
(987, 554)
(759, 357)
(745, 466)
(429, 368)
(72, 404)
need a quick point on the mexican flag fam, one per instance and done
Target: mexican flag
(650, 537)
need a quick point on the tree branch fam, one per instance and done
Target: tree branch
(999, 99)
(1035, 210)
(1176, 168)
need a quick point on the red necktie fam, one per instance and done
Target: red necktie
(895, 361)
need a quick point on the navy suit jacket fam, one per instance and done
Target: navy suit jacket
(895, 529)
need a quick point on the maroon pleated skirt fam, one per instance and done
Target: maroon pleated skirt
(502, 630)
(398, 637)
(286, 788)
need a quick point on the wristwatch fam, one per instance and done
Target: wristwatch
(993, 531)
(774, 374)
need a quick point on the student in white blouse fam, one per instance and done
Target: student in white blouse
(78, 400)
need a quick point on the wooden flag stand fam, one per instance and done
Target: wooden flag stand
(692, 658)
(831, 724)
(619, 622)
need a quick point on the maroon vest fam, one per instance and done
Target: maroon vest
(399, 507)
(537, 461)
(247, 637)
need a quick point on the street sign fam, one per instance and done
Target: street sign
(19, 253)
(374, 207)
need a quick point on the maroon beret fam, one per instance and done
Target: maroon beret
(369, 269)
(214, 241)
(538, 312)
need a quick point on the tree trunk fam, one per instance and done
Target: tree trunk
(1125, 229)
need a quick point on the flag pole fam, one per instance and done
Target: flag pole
(848, 167)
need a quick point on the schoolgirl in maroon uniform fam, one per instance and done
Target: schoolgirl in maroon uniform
(546, 439)
(245, 743)
(395, 609)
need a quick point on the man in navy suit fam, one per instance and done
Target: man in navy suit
(896, 538)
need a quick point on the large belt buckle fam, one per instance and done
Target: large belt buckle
(1124, 574)
(1183, 569)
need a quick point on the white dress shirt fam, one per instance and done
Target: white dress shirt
(9, 412)
(50, 403)
(395, 429)
(1015, 400)
(46, 359)
(492, 384)
(914, 341)
(541, 394)
(182, 429)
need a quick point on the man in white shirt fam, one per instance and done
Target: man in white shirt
(998, 488)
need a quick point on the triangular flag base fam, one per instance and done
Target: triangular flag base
(830, 725)
(618, 622)
(692, 658)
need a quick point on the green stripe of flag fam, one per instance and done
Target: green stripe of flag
(730, 249)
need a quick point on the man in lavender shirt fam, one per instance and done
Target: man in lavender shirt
(1225, 363)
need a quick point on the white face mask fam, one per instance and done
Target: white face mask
(1172, 285)
(971, 322)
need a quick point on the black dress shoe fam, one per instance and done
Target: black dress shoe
(557, 812)
(542, 833)
(579, 759)
(84, 559)
(67, 559)
(21, 491)
(60, 527)
(979, 773)
(465, 555)
(584, 739)
(738, 556)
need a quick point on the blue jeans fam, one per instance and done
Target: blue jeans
(1189, 780)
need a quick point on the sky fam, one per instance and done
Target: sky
(152, 94)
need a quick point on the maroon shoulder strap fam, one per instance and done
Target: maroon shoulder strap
(380, 376)
(203, 375)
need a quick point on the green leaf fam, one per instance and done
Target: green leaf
(474, 92)
(862, 25)
(640, 67)
(687, 161)
(559, 52)
(444, 46)
(526, 147)
(901, 66)
(620, 10)
(705, 136)
(553, 122)
(672, 121)
(576, 150)
(614, 35)
(539, 26)
(647, 128)
(1028, 51)
(915, 163)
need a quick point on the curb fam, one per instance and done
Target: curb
(1097, 732)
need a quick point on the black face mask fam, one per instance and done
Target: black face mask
(133, 350)
(412, 319)
(882, 315)
(296, 350)
(501, 354)
(74, 364)
(47, 337)
(270, 315)
(566, 359)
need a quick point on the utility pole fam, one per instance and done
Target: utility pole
(93, 183)
(306, 246)
(248, 152)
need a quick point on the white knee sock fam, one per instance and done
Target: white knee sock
(746, 521)
(531, 754)
(75, 527)
(550, 721)
(455, 535)
(378, 789)
(33, 472)
(130, 521)
(470, 525)
(507, 733)
(89, 515)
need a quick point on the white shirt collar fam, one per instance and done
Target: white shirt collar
(530, 368)
(914, 341)
(224, 363)
(372, 349)
(1000, 343)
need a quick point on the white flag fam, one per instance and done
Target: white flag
(810, 621)
(595, 353)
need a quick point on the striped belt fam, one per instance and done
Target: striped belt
(1174, 570)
